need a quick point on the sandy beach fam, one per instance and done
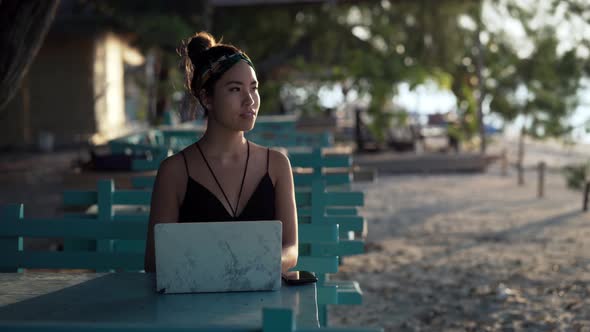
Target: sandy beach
(473, 252)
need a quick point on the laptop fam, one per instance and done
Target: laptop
(218, 256)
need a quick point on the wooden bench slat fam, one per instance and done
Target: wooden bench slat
(330, 179)
(303, 197)
(349, 292)
(352, 198)
(342, 211)
(73, 228)
(314, 161)
(309, 233)
(342, 248)
(132, 197)
(79, 197)
(317, 264)
(327, 294)
(347, 223)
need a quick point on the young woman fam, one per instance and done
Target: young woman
(223, 176)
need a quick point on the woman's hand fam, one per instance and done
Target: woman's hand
(288, 258)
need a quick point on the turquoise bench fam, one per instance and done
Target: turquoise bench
(313, 165)
(320, 245)
(278, 130)
(158, 156)
(312, 205)
(300, 179)
(14, 227)
(157, 144)
(289, 139)
(281, 130)
(321, 205)
(109, 205)
(133, 205)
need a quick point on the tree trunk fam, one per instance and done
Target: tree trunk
(480, 80)
(520, 157)
(358, 134)
(23, 27)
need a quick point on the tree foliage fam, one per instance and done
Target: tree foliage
(540, 87)
(370, 47)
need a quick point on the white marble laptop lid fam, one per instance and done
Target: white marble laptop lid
(218, 256)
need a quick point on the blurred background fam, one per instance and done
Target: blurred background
(384, 74)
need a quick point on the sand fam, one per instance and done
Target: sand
(473, 252)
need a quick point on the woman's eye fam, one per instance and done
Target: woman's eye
(234, 89)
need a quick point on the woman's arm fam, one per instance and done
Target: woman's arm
(285, 209)
(164, 206)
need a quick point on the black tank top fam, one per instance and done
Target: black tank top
(200, 205)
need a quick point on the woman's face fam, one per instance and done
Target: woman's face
(235, 101)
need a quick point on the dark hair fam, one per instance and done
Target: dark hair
(199, 52)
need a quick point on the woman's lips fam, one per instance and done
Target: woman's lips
(248, 114)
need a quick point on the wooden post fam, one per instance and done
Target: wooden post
(504, 163)
(520, 156)
(586, 192)
(105, 190)
(541, 183)
(479, 66)
(9, 213)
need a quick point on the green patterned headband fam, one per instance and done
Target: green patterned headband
(222, 65)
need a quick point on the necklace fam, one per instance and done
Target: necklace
(234, 211)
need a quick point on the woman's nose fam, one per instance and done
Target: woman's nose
(249, 99)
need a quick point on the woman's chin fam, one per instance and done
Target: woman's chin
(247, 125)
(243, 127)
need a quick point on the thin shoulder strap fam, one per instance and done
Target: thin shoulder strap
(185, 163)
(267, 158)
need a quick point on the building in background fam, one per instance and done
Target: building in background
(75, 89)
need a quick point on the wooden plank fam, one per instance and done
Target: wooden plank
(333, 179)
(348, 223)
(14, 213)
(79, 197)
(352, 198)
(342, 248)
(309, 233)
(317, 264)
(73, 228)
(132, 197)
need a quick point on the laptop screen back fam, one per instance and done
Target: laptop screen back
(218, 256)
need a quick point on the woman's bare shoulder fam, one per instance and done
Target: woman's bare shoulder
(280, 166)
(172, 167)
(279, 156)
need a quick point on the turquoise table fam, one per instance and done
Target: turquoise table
(127, 301)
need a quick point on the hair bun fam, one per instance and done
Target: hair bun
(198, 44)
